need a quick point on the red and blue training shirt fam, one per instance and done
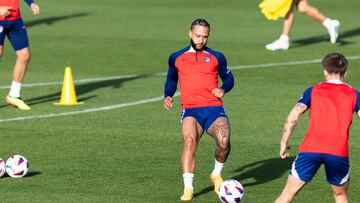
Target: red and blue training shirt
(331, 105)
(197, 73)
(14, 11)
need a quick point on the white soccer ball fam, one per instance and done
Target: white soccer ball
(17, 166)
(231, 191)
(2, 167)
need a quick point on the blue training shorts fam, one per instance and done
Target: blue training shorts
(205, 116)
(337, 168)
(16, 32)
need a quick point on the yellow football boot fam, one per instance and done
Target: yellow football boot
(17, 102)
(188, 195)
(216, 181)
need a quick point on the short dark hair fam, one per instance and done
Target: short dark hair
(335, 63)
(201, 22)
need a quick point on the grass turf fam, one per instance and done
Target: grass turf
(132, 154)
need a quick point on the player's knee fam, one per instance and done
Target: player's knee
(339, 194)
(288, 196)
(24, 56)
(189, 141)
(224, 147)
(302, 9)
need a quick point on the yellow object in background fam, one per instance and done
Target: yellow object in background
(68, 95)
(274, 9)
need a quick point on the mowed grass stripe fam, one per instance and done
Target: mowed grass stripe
(104, 108)
(143, 101)
(265, 65)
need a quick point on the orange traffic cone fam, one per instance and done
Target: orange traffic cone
(68, 95)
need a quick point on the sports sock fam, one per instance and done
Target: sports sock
(15, 89)
(284, 38)
(327, 23)
(188, 180)
(217, 168)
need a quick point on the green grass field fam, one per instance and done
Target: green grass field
(131, 152)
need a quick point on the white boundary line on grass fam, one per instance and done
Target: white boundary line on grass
(144, 101)
(75, 81)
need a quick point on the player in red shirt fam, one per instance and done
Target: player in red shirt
(331, 105)
(12, 26)
(197, 68)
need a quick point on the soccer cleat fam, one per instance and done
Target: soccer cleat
(188, 195)
(278, 45)
(333, 31)
(17, 102)
(216, 180)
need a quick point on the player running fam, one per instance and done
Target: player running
(197, 68)
(12, 26)
(302, 6)
(331, 105)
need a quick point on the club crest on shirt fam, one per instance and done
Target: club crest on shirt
(207, 59)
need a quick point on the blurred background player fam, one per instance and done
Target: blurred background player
(303, 7)
(332, 104)
(197, 68)
(13, 27)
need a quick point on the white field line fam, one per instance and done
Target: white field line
(290, 63)
(75, 81)
(144, 101)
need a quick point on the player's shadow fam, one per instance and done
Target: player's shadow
(82, 89)
(52, 20)
(325, 38)
(257, 173)
(30, 174)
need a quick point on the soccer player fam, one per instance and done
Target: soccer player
(331, 105)
(303, 7)
(197, 68)
(12, 26)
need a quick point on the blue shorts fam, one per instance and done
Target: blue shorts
(16, 32)
(337, 168)
(205, 116)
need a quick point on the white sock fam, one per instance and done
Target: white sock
(217, 168)
(327, 23)
(284, 38)
(188, 180)
(15, 89)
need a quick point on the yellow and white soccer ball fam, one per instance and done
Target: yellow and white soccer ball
(2, 167)
(17, 166)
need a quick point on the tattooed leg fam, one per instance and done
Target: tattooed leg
(220, 130)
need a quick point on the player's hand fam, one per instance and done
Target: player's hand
(35, 8)
(218, 92)
(283, 153)
(4, 10)
(168, 102)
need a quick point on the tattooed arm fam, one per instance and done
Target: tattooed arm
(289, 127)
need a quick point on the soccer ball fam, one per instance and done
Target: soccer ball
(231, 191)
(17, 166)
(2, 167)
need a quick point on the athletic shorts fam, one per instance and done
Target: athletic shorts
(205, 116)
(306, 164)
(16, 32)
